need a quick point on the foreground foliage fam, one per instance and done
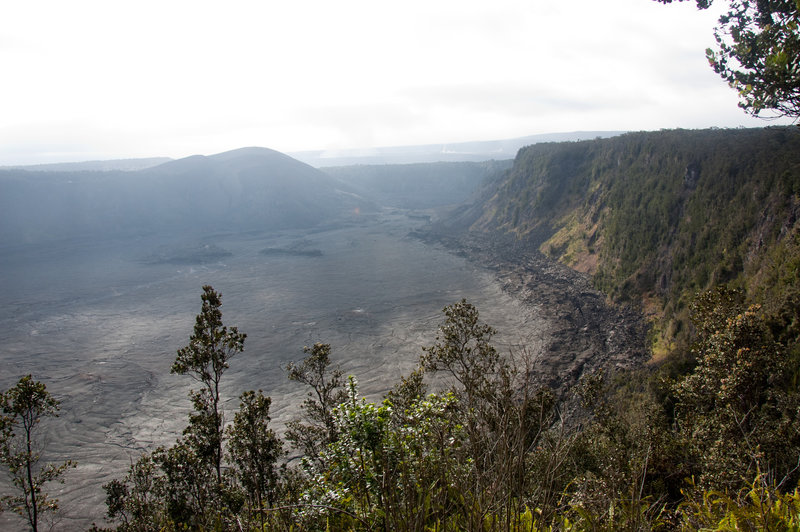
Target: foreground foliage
(22, 408)
(710, 442)
(758, 46)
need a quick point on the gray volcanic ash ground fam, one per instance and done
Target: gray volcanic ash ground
(100, 322)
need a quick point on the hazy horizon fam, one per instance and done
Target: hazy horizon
(505, 147)
(350, 75)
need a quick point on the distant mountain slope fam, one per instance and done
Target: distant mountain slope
(418, 185)
(247, 189)
(656, 217)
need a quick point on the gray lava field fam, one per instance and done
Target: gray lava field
(99, 322)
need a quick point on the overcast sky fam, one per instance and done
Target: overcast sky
(104, 79)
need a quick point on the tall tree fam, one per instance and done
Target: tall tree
(23, 407)
(504, 416)
(137, 500)
(205, 359)
(327, 390)
(758, 53)
(183, 486)
(463, 350)
(254, 450)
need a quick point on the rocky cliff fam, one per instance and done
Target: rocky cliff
(651, 218)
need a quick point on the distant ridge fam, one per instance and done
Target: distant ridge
(431, 153)
(124, 165)
(250, 189)
(474, 151)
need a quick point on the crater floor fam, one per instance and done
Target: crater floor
(99, 324)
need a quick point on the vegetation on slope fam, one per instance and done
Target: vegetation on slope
(657, 217)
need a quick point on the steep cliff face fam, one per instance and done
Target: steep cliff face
(655, 217)
(584, 332)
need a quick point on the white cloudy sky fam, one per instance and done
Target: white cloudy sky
(107, 79)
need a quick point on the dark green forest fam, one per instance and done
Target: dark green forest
(655, 218)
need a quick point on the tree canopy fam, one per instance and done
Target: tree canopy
(758, 54)
(22, 408)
